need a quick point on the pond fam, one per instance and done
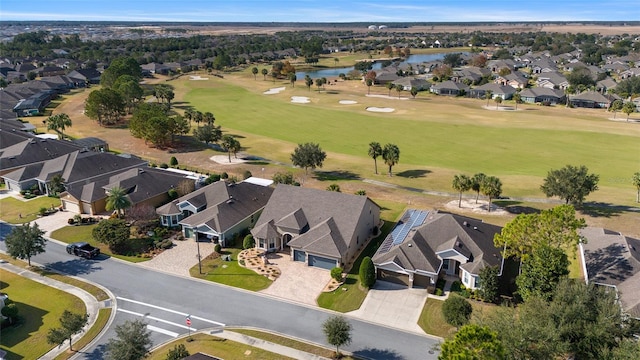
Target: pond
(335, 72)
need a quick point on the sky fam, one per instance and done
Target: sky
(369, 11)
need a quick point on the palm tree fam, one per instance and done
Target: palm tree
(414, 91)
(188, 114)
(399, 89)
(375, 150)
(517, 98)
(498, 101)
(369, 82)
(264, 74)
(476, 183)
(292, 79)
(391, 155)
(488, 95)
(254, 71)
(336, 61)
(230, 144)
(492, 188)
(58, 123)
(198, 117)
(308, 81)
(208, 118)
(461, 183)
(390, 86)
(117, 199)
(628, 108)
(636, 183)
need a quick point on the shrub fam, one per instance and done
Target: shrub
(173, 193)
(336, 274)
(456, 310)
(367, 272)
(71, 221)
(217, 248)
(166, 244)
(248, 242)
(42, 211)
(173, 161)
(212, 178)
(164, 166)
(439, 292)
(246, 174)
(224, 175)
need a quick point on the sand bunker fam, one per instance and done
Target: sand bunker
(382, 110)
(480, 208)
(347, 102)
(224, 159)
(274, 91)
(392, 97)
(197, 77)
(300, 99)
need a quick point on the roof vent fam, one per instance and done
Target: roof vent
(475, 228)
(409, 245)
(464, 223)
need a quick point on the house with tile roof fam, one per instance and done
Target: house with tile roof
(216, 212)
(542, 95)
(610, 258)
(591, 99)
(427, 245)
(321, 228)
(449, 88)
(505, 92)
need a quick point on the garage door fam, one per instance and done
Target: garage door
(421, 281)
(393, 277)
(299, 255)
(71, 206)
(321, 262)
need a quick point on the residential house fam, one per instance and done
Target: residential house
(604, 85)
(82, 77)
(412, 83)
(497, 91)
(591, 99)
(516, 80)
(612, 259)
(427, 245)
(320, 228)
(144, 186)
(449, 88)
(217, 211)
(630, 73)
(552, 80)
(385, 77)
(543, 95)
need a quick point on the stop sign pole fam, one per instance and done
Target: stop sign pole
(189, 324)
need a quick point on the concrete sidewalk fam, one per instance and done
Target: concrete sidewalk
(92, 305)
(268, 346)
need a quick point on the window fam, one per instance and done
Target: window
(261, 243)
(445, 264)
(465, 277)
(477, 281)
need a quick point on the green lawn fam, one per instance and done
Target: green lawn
(437, 136)
(230, 272)
(432, 321)
(40, 308)
(351, 299)
(92, 333)
(70, 234)
(11, 208)
(222, 348)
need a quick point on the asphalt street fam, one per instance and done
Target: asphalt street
(164, 301)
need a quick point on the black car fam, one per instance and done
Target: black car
(83, 249)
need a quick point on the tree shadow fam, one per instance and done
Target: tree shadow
(76, 266)
(336, 175)
(99, 352)
(607, 210)
(418, 173)
(600, 261)
(514, 207)
(369, 353)
(30, 322)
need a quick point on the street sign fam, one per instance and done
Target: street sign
(188, 320)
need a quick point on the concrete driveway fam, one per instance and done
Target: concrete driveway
(55, 221)
(393, 305)
(297, 282)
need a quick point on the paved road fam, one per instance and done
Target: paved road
(163, 300)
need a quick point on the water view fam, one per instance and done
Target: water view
(334, 72)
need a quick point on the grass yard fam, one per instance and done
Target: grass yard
(230, 272)
(288, 342)
(70, 234)
(432, 321)
(92, 333)
(222, 348)
(519, 147)
(351, 299)
(11, 208)
(40, 307)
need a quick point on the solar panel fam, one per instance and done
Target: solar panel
(410, 219)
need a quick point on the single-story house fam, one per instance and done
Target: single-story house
(449, 88)
(590, 99)
(515, 79)
(321, 228)
(612, 259)
(143, 185)
(505, 92)
(426, 245)
(543, 95)
(217, 211)
(412, 83)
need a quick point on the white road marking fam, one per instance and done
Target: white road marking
(163, 331)
(157, 319)
(171, 311)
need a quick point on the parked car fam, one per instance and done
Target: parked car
(83, 249)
